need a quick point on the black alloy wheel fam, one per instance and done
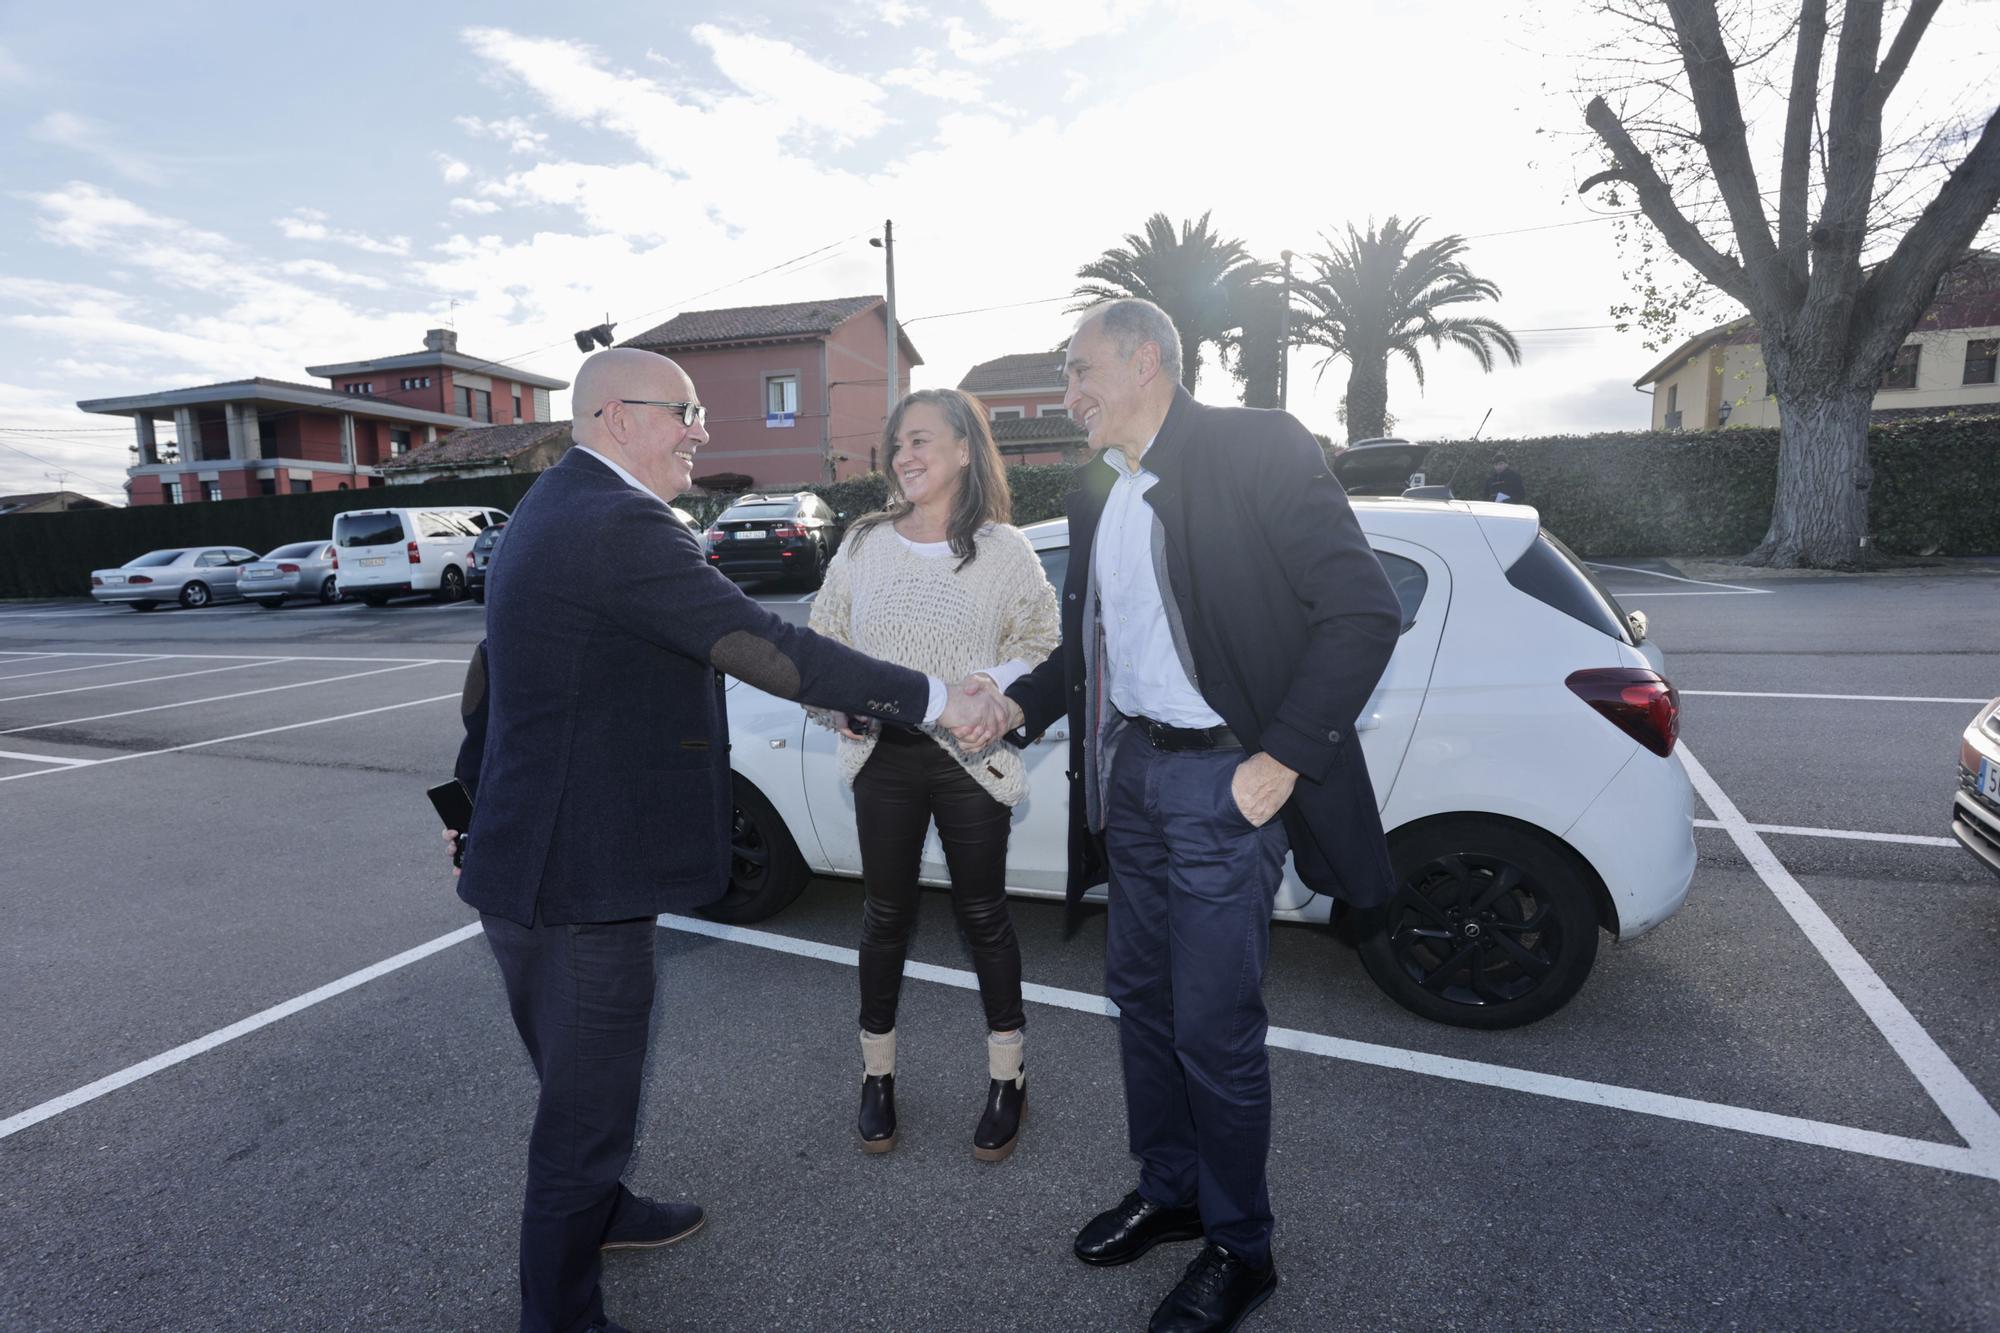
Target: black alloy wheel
(194, 593)
(329, 590)
(766, 871)
(451, 585)
(1491, 926)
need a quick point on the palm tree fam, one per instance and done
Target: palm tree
(1374, 297)
(1197, 277)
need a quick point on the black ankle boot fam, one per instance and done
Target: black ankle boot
(1000, 1123)
(878, 1112)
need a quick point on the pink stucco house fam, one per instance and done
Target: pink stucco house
(1023, 395)
(796, 393)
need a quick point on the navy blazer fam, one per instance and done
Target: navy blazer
(1289, 618)
(602, 787)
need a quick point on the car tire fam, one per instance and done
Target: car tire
(270, 603)
(195, 593)
(144, 606)
(374, 599)
(451, 585)
(329, 590)
(1492, 925)
(766, 871)
(820, 561)
(479, 595)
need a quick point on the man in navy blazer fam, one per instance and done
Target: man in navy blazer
(1224, 623)
(602, 790)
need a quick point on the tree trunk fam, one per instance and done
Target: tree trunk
(1819, 513)
(1367, 396)
(1190, 361)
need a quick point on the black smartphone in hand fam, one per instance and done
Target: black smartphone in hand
(454, 806)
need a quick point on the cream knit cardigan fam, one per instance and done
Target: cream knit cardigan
(924, 612)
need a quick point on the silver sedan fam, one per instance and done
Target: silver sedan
(193, 576)
(302, 569)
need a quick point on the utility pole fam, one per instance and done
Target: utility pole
(1285, 334)
(886, 243)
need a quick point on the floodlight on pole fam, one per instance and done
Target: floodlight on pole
(599, 336)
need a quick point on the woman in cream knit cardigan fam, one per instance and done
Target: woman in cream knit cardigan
(939, 582)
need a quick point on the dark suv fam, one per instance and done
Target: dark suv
(784, 536)
(481, 560)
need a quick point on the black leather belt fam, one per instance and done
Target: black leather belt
(1163, 737)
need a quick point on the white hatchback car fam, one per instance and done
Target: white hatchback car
(1520, 743)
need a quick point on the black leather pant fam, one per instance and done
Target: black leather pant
(908, 781)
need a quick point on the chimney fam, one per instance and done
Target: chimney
(440, 340)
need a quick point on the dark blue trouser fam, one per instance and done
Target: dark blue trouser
(1188, 934)
(582, 998)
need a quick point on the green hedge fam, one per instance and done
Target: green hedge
(1936, 492)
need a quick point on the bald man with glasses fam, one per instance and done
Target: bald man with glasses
(597, 745)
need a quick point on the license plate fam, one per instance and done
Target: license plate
(1989, 780)
(753, 534)
(372, 561)
(261, 574)
(114, 578)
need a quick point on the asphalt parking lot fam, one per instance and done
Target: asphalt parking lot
(260, 1075)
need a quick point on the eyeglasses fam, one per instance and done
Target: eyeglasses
(691, 413)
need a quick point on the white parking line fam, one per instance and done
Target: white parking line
(1730, 592)
(128, 659)
(44, 758)
(262, 657)
(143, 680)
(1906, 839)
(1969, 1113)
(1677, 578)
(1846, 698)
(90, 1092)
(223, 740)
(1718, 1115)
(20, 657)
(218, 698)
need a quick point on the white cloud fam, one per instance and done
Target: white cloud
(452, 169)
(12, 72)
(325, 272)
(896, 13)
(817, 99)
(947, 85)
(308, 224)
(474, 207)
(518, 134)
(91, 138)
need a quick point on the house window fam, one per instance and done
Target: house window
(417, 382)
(170, 491)
(399, 442)
(1007, 414)
(267, 485)
(362, 390)
(211, 490)
(517, 407)
(301, 487)
(1903, 371)
(1052, 410)
(1981, 355)
(781, 395)
(475, 403)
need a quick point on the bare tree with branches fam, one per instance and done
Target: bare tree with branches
(1853, 261)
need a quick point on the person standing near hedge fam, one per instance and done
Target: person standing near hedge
(1504, 484)
(938, 577)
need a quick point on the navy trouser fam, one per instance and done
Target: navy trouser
(582, 998)
(1188, 934)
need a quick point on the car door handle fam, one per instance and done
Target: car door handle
(1049, 737)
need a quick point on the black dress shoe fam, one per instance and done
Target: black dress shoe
(1216, 1294)
(1000, 1123)
(1120, 1235)
(878, 1112)
(643, 1224)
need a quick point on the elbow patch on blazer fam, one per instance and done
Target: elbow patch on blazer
(756, 661)
(473, 694)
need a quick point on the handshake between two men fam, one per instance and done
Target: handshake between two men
(975, 712)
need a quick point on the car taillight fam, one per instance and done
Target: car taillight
(713, 535)
(784, 530)
(288, 569)
(96, 582)
(139, 578)
(416, 556)
(1636, 701)
(336, 560)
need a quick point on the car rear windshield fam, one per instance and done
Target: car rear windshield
(152, 558)
(295, 551)
(488, 538)
(781, 509)
(350, 530)
(1550, 573)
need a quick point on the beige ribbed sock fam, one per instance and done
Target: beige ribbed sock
(878, 1053)
(1004, 1051)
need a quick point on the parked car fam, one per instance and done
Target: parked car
(300, 569)
(1385, 466)
(789, 536)
(1975, 809)
(1519, 742)
(193, 576)
(480, 560)
(384, 553)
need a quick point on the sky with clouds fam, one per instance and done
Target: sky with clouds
(260, 188)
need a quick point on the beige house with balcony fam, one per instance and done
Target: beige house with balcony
(1950, 363)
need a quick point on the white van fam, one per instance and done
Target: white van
(384, 553)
